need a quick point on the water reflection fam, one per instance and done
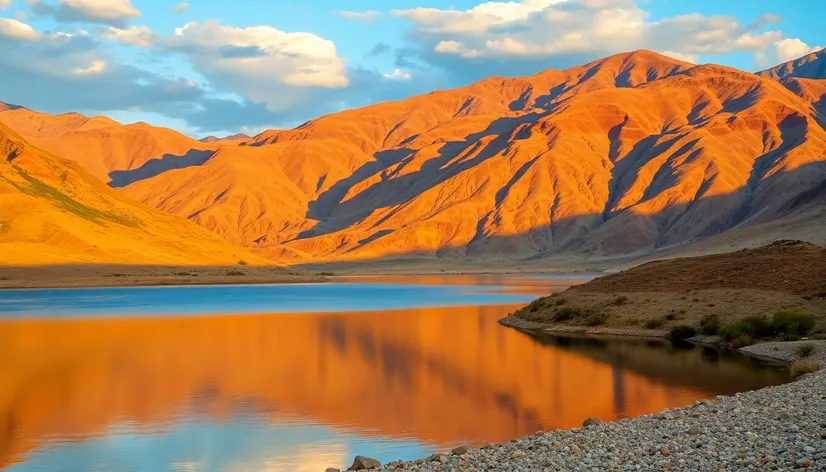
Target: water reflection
(307, 391)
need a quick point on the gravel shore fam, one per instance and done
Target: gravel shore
(775, 428)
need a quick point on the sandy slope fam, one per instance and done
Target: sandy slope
(54, 212)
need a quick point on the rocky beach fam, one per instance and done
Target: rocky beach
(775, 428)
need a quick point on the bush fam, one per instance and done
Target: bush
(621, 300)
(671, 316)
(805, 349)
(536, 305)
(654, 323)
(710, 324)
(561, 301)
(742, 340)
(681, 332)
(567, 313)
(234, 273)
(242, 262)
(758, 326)
(795, 323)
(596, 319)
(803, 367)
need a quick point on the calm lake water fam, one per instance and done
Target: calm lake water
(304, 377)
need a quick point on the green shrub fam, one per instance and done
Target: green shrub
(596, 319)
(681, 332)
(567, 313)
(234, 273)
(654, 323)
(325, 274)
(671, 316)
(710, 324)
(561, 301)
(805, 349)
(621, 300)
(795, 323)
(536, 305)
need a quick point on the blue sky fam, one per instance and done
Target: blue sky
(220, 67)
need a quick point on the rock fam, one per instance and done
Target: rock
(332, 469)
(591, 421)
(460, 451)
(664, 451)
(365, 463)
(575, 450)
(693, 430)
(807, 463)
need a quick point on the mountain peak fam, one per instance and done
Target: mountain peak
(810, 66)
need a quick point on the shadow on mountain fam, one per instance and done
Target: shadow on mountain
(625, 233)
(154, 167)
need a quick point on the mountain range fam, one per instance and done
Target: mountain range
(624, 156)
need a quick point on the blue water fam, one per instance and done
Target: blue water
(246, 299)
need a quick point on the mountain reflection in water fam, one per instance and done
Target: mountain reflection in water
(316, 388)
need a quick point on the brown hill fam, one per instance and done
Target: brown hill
(54, 212)
(239, 137)
(810, 66)
(623, 156)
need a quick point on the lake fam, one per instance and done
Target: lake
(304, 377)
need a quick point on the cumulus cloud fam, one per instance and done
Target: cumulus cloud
(523, 36)
(110, 12)
(5, 4)
(261, 62)
(13, 29)
(791, 48)
(398, 75)
(368, 16)
(140, 36)
(95, 67)
(181, 7)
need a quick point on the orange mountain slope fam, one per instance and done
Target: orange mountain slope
(622, 156)
(54, 212)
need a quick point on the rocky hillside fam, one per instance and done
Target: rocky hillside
(623, 156)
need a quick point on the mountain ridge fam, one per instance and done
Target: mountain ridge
(622, 156)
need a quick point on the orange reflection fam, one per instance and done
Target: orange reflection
(442, 375)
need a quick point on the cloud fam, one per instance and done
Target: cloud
(398, 75)
(379, 49)
(140, 36)
(525, 36)
(13, 29)
(261, 63)
(368, 16)
(95, 68)
(181, 7)
(109, 12)
(5, 4)
(791, 48)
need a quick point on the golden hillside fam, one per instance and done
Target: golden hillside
(54, 212)
(623, 156)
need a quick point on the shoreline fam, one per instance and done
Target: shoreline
(776, 427)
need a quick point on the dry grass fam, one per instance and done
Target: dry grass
(803, 367)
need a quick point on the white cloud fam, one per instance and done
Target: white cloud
(791, 48)
(21, 15)
(111, 12)
(17, 30)
(4, 4)
(140, 36)
(398, 75)
(367, 16)
(261, 62)
(679, 56)
(498, 37)
(181, 7)
(94, 68)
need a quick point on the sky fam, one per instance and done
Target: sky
(222, 67)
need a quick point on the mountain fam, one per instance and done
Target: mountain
(54, 212)
(810, 66)
(234, 137)
(626, 155)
